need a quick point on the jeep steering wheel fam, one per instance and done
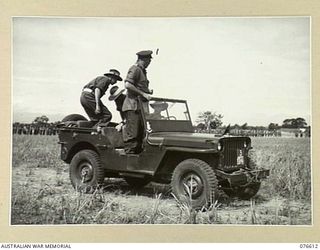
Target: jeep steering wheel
(172, 117)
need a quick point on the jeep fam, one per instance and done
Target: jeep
(197, 165)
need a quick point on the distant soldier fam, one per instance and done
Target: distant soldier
(31, 129)
(54, 130)
(19, 129)
(42, 130)
(49, 129)
(15, 128)
(25, 129)
(36, 129)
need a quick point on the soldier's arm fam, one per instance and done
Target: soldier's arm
(134, 89)
(97, 94)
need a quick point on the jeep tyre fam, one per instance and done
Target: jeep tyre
(137, 182)
(74, 118)
(194, 182)
(86, 172)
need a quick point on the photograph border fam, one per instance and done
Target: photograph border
(152, 233)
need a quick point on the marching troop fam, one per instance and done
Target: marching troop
(34, 129)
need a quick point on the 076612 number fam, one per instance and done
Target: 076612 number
(309, 246)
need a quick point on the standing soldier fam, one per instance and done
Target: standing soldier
(92, 93)
(137, 85)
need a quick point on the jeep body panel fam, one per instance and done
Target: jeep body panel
(147, 162)
(72, 140)
(183, 139)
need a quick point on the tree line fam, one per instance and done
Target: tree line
(207, 122)
(39, 126)
(211, 122)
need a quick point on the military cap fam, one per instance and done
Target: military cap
(144, 54)
(114, 73)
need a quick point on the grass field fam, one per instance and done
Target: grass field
(42, 193)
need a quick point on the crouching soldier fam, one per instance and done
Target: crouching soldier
(91, 97)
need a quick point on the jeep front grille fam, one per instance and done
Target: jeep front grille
(230, 152)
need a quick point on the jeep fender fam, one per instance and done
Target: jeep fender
(67, 153)
(174, 155)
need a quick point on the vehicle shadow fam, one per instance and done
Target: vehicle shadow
(151, 190)
(118, 185)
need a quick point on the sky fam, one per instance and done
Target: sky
(250, 70)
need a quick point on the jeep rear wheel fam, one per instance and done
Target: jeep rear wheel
(194, 182)
(137, 182)
(86, 172)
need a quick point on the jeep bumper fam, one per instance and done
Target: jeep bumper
(244, 177)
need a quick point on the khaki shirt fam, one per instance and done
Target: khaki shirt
(137, 76)
(100, 82)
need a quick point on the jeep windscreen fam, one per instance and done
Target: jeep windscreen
(163, 114)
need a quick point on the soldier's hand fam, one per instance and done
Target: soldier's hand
(119, 127)
(98, 110)
(151, 91)
(147, 96)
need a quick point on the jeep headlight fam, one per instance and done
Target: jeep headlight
(247, 145)
(219, 147)
(64, 152)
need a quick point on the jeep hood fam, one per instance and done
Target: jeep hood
(184, 139)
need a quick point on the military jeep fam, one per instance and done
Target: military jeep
(197, 165)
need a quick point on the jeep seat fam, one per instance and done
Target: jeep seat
(85, 124)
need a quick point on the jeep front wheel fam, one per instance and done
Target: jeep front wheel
(86, 172)
(194, 182)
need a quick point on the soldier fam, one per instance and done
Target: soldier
(25, 129)
(42, 129)
(118, 97)
(15, 128)
(92, 93)
(158, 108)
(137, 85)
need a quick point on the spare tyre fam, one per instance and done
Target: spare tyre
(73, 118)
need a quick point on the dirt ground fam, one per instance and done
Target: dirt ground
(45, 196)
